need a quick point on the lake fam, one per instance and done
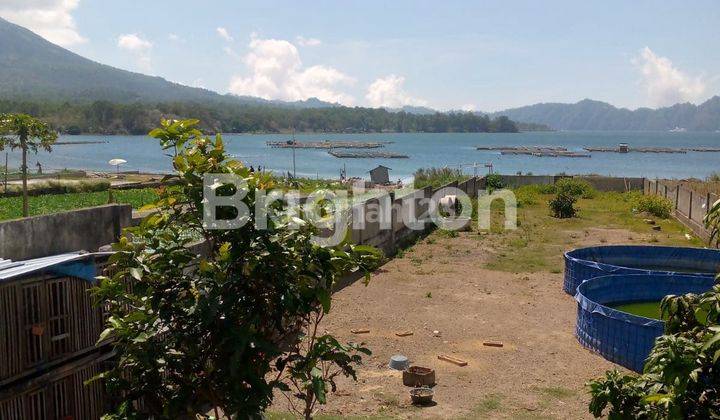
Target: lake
(424, 149)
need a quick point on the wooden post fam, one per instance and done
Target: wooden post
(691, 205)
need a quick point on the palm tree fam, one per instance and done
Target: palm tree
(24, 132)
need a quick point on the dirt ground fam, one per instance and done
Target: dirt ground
(540, 371)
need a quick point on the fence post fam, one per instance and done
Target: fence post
(690, 206)
(677, 196)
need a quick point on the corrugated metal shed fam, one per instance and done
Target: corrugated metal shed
(12, 269)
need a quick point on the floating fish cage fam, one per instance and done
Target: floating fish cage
(585, 263)
(327, 144)
(47, 313)
(619, 336)
(369, 154)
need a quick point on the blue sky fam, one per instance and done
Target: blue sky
(486, 55)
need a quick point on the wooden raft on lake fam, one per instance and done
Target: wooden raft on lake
(327, 144)
(366, 154)
(538, 151)
(653, 149)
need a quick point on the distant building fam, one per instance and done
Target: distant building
(380, 175)
(623, 148)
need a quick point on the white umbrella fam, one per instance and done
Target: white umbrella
(117, 162)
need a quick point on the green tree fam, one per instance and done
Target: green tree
(219, 331)
(21, 131)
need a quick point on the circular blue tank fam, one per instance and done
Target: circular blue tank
(618, 336)
(585, 263)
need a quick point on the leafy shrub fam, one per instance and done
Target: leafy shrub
(562, 206)
(494, 182)
(681, 378)
(575, 187)
(437, 177)
(526, 195)
(712, 222)
(224, 330)
(652, 204)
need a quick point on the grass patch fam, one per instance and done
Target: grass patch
(540, 240)
(11, 207)
(488, 404)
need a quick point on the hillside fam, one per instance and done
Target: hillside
(595, 115)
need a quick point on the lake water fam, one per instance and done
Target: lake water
(425, 150)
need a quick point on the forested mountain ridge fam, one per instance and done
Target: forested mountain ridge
(595, 115)
(102, 117)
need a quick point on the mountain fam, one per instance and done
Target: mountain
(34, 69)
(595, 115)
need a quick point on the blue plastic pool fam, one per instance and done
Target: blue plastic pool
(618, 336)
(585, 263)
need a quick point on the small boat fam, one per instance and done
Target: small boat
(677, 130)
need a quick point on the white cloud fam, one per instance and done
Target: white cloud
(276, 72)
(224, 34)
(664, 83)
(388, 92)
(51, 19)
(468, 107)
(307, 42)
(139, 47)
(175, 37)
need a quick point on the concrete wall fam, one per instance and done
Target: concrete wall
(690, 207)
(91, 228)
(84, 229)
(608, 183)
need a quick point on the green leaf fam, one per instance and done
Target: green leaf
(136, 273)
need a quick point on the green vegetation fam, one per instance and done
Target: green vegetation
(221, 333)
(11, 207)
(540, 239)
(562, 205)
(652, 204)
(438, 177)
(493, 182)
(575, 187)
(21, 131)
(104, 117)
(712, 222)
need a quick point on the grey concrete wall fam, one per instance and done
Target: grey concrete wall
(520, 180)
(607, 183)
(690, 207)
(84, 229)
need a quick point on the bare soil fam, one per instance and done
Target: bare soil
(438, 285)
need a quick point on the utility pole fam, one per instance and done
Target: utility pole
(293, 149)
(6, 171)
